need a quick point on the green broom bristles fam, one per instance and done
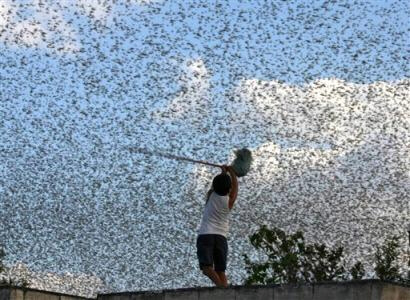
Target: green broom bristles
(242, 163)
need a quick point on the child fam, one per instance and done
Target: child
(212, 246)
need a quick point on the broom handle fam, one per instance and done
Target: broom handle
(171, 156)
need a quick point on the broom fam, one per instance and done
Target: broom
(241, 164)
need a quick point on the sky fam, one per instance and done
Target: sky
(317, 90)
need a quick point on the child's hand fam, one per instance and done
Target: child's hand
(231, 171)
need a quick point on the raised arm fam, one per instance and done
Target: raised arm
(234, 189)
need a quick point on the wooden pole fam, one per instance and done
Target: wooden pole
(171, 156)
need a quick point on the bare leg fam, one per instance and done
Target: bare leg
(210, 272)
(222, 278)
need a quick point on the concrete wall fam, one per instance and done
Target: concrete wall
(15, 293)
(353, 290)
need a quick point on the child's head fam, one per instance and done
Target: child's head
(221, 184)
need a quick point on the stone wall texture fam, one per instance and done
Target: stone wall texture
(354, 290)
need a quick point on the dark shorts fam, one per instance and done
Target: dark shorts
(212, 251)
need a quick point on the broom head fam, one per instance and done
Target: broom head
(242, 163)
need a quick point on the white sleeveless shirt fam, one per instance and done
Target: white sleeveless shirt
(215, 219)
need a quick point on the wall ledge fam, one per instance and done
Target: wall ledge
(344, 290)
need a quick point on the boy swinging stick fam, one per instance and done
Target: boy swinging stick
(212, 246)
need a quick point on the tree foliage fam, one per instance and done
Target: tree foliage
(357, 271)
(290, 260)
(22, 282)
(387, 267)
(2, 255)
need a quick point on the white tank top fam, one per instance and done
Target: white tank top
(215, 219)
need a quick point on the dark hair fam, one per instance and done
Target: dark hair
(221, 184)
